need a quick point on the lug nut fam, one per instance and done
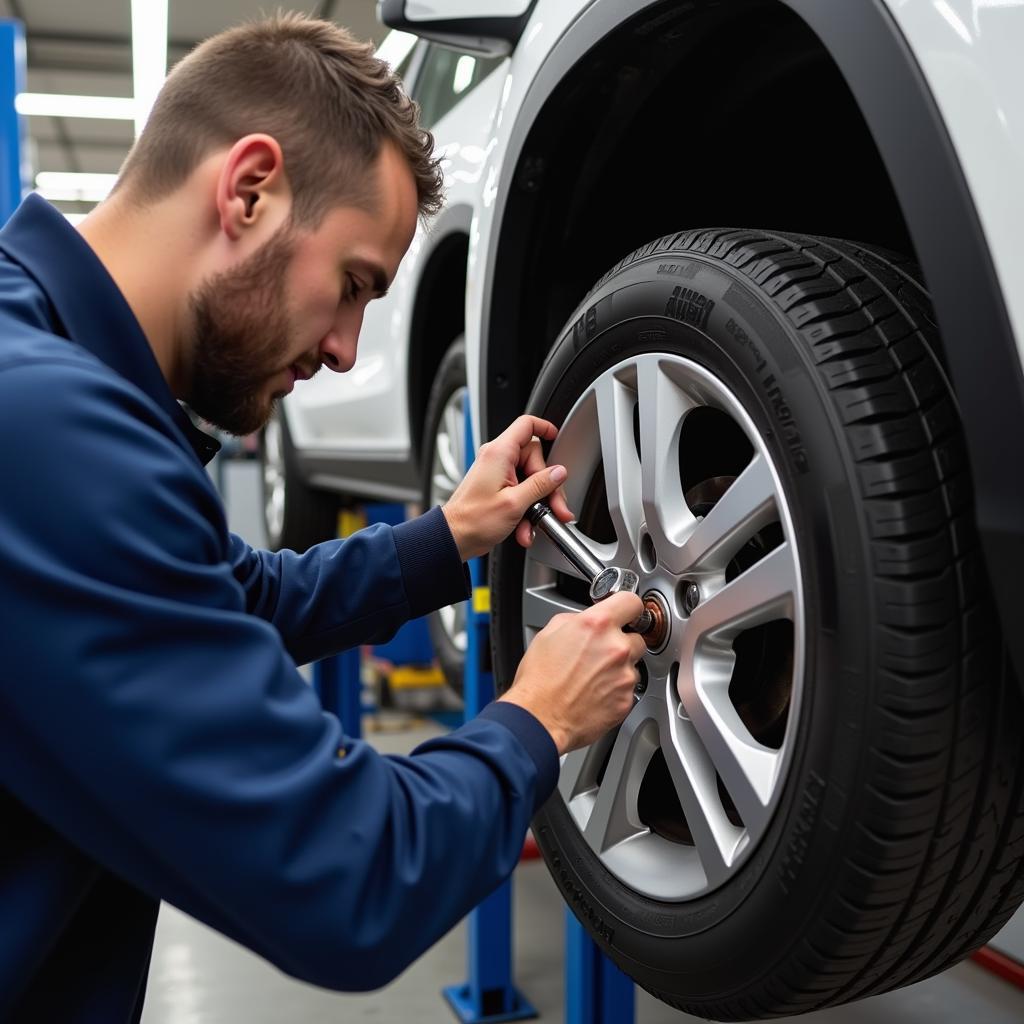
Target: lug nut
(657, 634)
(641, 684)
(691, 598)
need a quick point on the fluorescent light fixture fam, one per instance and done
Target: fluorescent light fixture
(149, 55)
(41, 104)
(70, 186)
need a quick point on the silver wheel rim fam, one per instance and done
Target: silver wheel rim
(273, 479)
(446, 471)
(726, 782)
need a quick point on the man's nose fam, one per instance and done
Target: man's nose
(338, 350)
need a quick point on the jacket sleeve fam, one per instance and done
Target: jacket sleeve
(156, 724)
(346, 592)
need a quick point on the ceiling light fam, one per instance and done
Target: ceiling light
(149, 55)
(40, 104)
(70, 186)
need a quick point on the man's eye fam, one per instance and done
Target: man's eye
(354, 288)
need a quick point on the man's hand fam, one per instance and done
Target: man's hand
(490, 501)
(578, 676)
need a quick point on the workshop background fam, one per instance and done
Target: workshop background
(78, 52)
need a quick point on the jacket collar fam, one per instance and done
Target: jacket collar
(89, 307)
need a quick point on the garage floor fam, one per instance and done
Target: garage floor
(198, 977)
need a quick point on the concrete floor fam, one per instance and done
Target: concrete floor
(198, 977)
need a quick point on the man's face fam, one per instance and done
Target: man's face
(296, 304)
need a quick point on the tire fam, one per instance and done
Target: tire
(295, 515)
(443, 468)
(858, 820)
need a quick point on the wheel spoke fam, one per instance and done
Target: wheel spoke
(578, 773)
(442, 488)
(453, 622)
(449, 465)
(614, 817)
(460, 433)
(615, 401)
(455, 428)
(662, 405)
(541, 604)
(747, 506)
(448, 460)
(761, 593)
(747, 768)
(542, 550)
(273, 479)
(692, 772)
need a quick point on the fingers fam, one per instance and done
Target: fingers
(560, 506)
(524, 534)
(523, 429)
(531, 462)
(622, 608)
(531, 458)
(538, 486)
(638, 645)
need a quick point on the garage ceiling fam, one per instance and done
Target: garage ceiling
(86, 49)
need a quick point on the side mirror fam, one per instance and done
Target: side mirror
(488, 28)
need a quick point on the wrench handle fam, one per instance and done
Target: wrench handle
(573, 550)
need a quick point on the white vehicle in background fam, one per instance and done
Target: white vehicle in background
(763, 263)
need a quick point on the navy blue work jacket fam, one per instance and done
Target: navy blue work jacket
(156, 740)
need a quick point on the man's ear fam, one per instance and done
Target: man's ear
(252, 188)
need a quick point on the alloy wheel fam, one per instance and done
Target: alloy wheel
(670, 477)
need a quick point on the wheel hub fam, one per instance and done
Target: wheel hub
(657, 636)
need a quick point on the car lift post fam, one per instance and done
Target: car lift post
(338, 682)
(596, 991)
(14, 169)
(488, 994)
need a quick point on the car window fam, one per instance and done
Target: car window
(402, 67)
(445, 77)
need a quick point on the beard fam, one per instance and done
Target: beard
(241, 329)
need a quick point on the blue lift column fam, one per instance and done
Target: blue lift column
(488, 994)
(338, 679)
(15, 174)
(596, 991)
(338, 682)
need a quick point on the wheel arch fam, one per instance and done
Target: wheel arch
(630, 81)
(438, 313)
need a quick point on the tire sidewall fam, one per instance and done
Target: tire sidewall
(655, 305)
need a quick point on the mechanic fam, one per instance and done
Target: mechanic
(156, 739)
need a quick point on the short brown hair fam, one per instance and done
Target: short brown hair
(323, 95)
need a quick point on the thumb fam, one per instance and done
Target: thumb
(539, 485)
